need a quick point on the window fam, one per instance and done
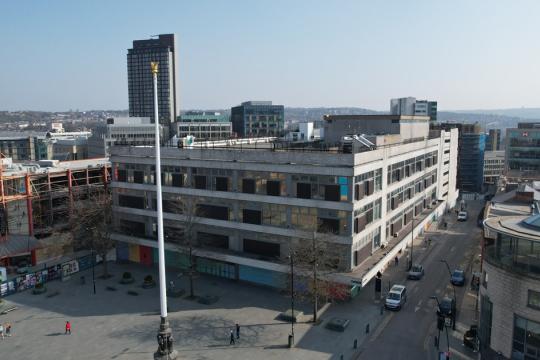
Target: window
(121, 175)
(251, 216)
(273, 188)
(526, 339)
(303, 191)
(222, 183)
(328, 225)
(200, 182)
(248, 186)
(177, 180)
(331, 193)
(533, 300)
(138, 177)
(135, 202)
(213, 240)
(264, 248)
(213, 212)
(134, 228)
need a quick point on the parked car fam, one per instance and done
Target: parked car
(396, 297)
(447, 308)
(458, 277)
(416, 272)
(462, 216)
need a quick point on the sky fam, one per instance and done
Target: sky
(58, 55)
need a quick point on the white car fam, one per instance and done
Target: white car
(396, 297)
(462, 216)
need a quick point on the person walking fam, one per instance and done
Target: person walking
(232, 338)
(68, 328)
(237, 331)
(396, 261)
(8, 330)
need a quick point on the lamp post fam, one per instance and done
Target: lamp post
(445, 327)
(291, 341)
(164, 337)
(412, 244)
(450, 273)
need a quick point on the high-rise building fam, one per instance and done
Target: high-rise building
(140, 84)
(471, 144)
(410, 106)
(493, 141)
(258, 119)
(493, 166)
(523, 152)
(24, 147)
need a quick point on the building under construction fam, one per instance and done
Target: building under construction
(35, 201)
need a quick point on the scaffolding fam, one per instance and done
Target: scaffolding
(36, 201)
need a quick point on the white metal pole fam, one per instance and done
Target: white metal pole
(161, 243)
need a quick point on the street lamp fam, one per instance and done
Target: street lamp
(412, 244)
(291, 336)
(438, 329)
(164, 337)
(450, 273)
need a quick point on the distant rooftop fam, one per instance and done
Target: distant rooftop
(253, 103)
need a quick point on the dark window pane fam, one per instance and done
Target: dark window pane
(138, 177)
(135, 202)
(222, 183)
(261, 248)
(213, 240)
(248, 186)
(331, 193)
(213, 212)
(303, 191)
(200, 182)
(273, 188)
(122, 175)
(177, 180)
(134, 228)
(251, 216)
(328, 225)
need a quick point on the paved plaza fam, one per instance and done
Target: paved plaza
(115, 325)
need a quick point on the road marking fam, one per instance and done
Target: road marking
(418, 306)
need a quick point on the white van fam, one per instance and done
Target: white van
(396, 297)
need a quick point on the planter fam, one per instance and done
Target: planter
(149, 284)
(39, 290)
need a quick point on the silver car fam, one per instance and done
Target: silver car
(416, 272)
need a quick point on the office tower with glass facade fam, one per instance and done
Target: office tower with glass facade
(523, 152)
(258, 119)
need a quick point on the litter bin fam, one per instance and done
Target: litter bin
(291, 341)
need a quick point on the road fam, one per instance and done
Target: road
(409, 333)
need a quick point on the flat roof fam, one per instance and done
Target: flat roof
(513, 226)
(376, 117)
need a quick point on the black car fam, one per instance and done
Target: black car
(447, 308)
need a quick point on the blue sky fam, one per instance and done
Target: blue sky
(61, 55)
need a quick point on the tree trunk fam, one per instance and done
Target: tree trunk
(105, 266)
(191, 292)
(315, 293)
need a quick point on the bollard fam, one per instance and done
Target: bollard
(382, 309)
(341, 357)
(436, 341)
(355, 344)
(367, 328)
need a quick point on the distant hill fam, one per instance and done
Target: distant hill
(524, 113)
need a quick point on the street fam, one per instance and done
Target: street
(409, 333)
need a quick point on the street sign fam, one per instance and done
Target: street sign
(448, 321)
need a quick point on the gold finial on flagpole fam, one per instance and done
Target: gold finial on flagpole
(154, 67)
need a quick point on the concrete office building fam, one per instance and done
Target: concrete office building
(258, 119)
(493, 166)
(410, 106)
(26, 148)
(141, 102)
(120, 130)
(254, 202)
(472, 143)
(493, 140)
(523, 152)
(510, 280)
(204, 125)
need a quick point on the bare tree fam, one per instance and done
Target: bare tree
(91, 224)
(316, 259)
(188, 207)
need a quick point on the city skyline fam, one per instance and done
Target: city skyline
(465, 56)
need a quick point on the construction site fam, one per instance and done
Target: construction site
(35, 201)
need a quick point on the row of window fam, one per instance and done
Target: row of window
(403, 169)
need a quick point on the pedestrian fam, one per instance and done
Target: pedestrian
(396, 261)
(68, 328)
(232, 338)
(8, 330)
(2, 331)
(237, 331)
